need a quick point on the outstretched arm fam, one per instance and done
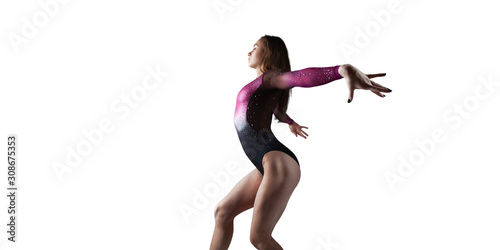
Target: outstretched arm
(311, 77)
(306, 78)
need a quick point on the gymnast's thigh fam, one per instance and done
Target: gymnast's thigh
(242, 196)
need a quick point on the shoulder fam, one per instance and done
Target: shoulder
(273, 71)
(266, 76)
(270, 77)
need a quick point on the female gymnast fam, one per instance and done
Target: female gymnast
(256, 102)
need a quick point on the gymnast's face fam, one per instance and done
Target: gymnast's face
(255, 55)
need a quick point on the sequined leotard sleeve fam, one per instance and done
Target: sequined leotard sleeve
(306, 78)
(285, 119)
(257, 102)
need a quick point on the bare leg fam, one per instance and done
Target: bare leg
(281, 176)
(239, 199)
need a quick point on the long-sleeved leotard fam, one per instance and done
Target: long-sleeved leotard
(257, 102)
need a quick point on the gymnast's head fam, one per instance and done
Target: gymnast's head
(269, 52)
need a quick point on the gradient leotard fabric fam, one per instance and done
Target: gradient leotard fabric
(257, 102)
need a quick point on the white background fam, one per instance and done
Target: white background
(127, 191)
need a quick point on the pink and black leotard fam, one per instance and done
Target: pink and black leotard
(257, 102)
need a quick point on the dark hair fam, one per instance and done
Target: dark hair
(275, 56)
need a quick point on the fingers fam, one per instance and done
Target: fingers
(378, 93)
(301, 132)
(298, 134)
(373, 86)
(375, 75)
(304, 133)
(376, 90)
(376, 84)
(377, 87)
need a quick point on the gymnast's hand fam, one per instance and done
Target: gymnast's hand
(358, 80)
(297, 129)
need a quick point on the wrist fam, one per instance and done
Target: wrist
(344, 70)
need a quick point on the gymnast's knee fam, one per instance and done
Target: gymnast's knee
(223, 214)
(258, 239)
